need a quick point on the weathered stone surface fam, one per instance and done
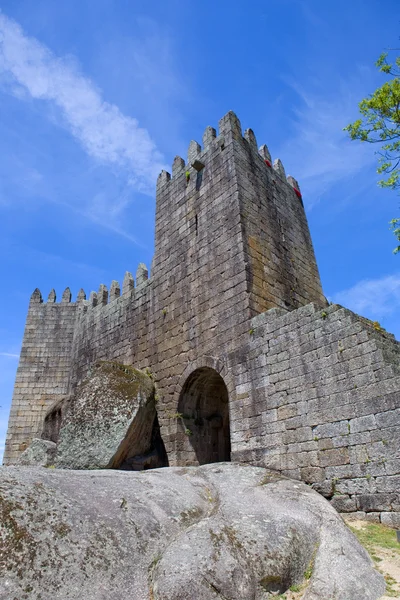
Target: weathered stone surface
(174, 534)
(344, 504)
(391, 519)
(109, 421)
(378, 502)
(40, 453)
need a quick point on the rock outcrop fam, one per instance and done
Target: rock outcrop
(109, 422)
(40, 453)
(219, 531)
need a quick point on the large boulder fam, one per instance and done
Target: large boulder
(109, 422)
(220, 531)
(40, 453)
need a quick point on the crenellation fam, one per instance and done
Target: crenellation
(265, 155)
(230, 127)
(93, 299)
(142, 274)
(193, 151)
(251, 139)
(209, 136)
(52, 296)
(66, 297)
(81, 297)
(128, 283)
(178, 166)
(279, 168)
(102, 295)
(115, 290)
(294, 183)
(163, 178)
(36, 297)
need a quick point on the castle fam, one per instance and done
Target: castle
(238, 335)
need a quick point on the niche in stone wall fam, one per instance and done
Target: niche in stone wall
(203, 418)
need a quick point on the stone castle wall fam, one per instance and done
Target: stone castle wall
(318, 398)
(233, 309)
(44, 369)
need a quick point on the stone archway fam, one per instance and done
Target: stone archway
(203, 411)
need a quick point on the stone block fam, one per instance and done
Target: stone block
(355, 516)
(312, 474)
(301, 434)
(337, 456)
(363, 424)
(391, 519)
(391, 483)
(331, 429)
(357, 486)
(324, 488)
(391, 418)
(344, 504)
(286, 412)
(373, 517)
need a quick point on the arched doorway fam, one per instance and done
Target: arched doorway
(203, 413)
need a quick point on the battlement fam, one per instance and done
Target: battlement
(229, 129)
(231, 186)
(102, 297)
(66, 298)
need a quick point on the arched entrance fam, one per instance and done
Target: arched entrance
(203, 413)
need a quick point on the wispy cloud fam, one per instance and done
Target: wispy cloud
(375, 298)
(320, 152)
(9, 354)
(29, 68)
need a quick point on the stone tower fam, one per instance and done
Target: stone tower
(231, 241)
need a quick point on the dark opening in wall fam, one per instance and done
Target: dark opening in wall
(52, 423)
(204, 406)
(199, 179)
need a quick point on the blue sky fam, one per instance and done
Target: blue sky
(97, 97)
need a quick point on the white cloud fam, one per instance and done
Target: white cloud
(103, 131)
(321, 153)
(375, 298)
(9, 355)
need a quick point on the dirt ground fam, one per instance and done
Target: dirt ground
(382, 545)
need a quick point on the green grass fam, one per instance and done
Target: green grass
(377, 535)
(373, 537)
